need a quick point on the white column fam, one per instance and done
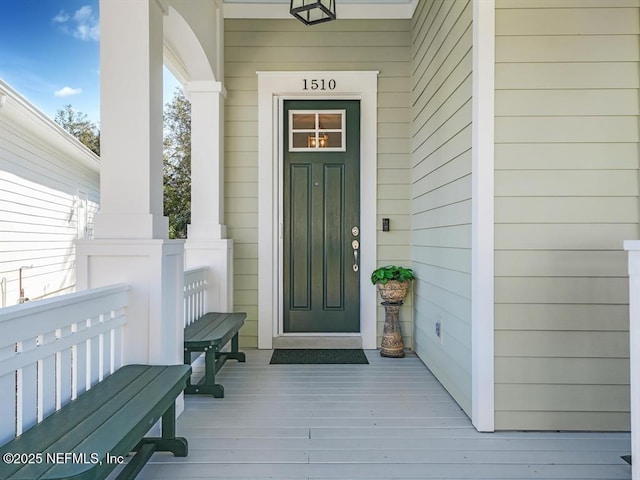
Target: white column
(131, 121)
(131, 243)
(207, 244)
(633, 247)
(207, 160)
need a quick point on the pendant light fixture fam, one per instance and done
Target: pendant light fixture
(311, 12)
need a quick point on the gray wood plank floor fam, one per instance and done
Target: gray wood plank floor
(390, 419)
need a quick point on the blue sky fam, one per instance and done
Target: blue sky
(50, 53)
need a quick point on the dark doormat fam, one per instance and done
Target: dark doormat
(317, 355)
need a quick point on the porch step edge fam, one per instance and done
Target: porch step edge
(317, 342)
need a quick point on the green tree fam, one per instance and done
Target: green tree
(176, 155)
(78, 125)
(177, 164)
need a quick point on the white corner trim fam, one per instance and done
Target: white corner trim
(273, 87)
(482, 229)
(633, 265)
(414, 7)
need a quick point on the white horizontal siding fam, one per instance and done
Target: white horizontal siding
(41, 195)
(566, 186)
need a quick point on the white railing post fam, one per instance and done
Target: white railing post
(195, 291)
(218, 256)
(633, 247)
(53, 350)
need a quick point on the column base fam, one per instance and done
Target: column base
(154, 269)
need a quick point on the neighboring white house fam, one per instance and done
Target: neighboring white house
(49, 193)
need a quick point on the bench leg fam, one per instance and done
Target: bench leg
(235, 353)
(133, 467)
(213, 361)
(187, 361)
(208, 385)
(168, 442)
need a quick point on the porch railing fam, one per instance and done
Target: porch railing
(195, 287)
(53, 350)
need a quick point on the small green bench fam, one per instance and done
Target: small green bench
(89, 437)
(209, 334)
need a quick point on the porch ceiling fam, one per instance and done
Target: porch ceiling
(346, 9)
(360, 2)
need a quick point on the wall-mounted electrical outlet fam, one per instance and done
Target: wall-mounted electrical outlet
(438, 327)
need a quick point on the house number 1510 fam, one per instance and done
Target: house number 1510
(318, 84)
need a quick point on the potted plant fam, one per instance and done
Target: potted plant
(392, 282)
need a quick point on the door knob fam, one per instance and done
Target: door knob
(355, 245)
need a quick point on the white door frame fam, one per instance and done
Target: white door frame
(273, 89)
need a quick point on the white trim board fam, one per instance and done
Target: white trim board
(33, 121)
(273, 89)
(482, 236)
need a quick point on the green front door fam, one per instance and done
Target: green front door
(321, 288)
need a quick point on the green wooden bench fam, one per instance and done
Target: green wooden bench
(209, 334)
(90, 436)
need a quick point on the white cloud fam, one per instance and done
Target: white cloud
(87, 26)
(61, 17)
(84, 15)
(84, 25)
(67, 92)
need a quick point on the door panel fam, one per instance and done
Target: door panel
(321, 205)
(301, 237)
(334, 265)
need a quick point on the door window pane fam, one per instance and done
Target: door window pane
(321, 130)
(300, 141)
(302, 121)
(330, 121)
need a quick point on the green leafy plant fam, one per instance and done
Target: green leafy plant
(391, 272)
